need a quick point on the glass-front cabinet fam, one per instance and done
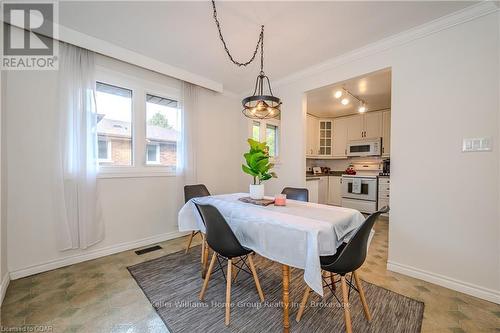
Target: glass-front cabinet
(325, 137)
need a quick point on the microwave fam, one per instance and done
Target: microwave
(367, 147)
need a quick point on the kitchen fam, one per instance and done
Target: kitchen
(347, 153)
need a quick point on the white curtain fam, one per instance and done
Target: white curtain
(79, 217)
(186, 142)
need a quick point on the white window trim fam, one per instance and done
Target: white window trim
(108, 158)
(140, 88)
(263, 133)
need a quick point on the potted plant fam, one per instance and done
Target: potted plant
(258, 167)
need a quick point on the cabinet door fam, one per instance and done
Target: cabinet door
(325, 137)
(312, 186)
(372, 125)
(386, 133)
(335, 190)
(340, 137)
(323, 190)
(355, 127)
(311, 135)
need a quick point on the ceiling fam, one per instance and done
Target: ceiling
(373, 88)
(297, 34)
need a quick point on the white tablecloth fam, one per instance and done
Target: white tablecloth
(295, 235)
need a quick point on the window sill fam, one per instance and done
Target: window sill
(141, 173)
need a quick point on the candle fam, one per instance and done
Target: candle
(280, 200)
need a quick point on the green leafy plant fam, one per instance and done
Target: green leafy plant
(258, 165)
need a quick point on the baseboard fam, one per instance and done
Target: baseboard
(447, 282)
(92, 254)
(3, 287)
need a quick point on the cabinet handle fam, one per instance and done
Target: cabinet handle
(383, 150)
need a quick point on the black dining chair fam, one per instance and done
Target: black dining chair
(348, 258)
(226, 246)
(294, 193)
(190, 192)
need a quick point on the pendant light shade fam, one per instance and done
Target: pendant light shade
(261, 105)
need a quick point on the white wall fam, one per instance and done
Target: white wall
(445, 223)
(137, 211)
(4, 276)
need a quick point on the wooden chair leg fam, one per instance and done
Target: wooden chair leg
(332, 279)
(190, 240)
(202, 247)
(255, 278)
(303, 304)
(205, 260)
(228, 291)
(347, 313)
(362, 296)
(207, 277)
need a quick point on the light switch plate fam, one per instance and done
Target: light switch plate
(476, 145)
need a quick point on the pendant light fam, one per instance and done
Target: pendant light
(262, 104)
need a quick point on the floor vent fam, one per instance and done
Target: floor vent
(148, 249)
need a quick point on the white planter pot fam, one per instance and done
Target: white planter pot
(257, 192)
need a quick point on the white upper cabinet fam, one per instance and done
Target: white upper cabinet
(355, 127)
(312, 135)
(386, 133)
(372, 125)
(340, 137)
(325, 137)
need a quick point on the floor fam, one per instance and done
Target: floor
(101, 296)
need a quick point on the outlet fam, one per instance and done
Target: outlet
(476, 145)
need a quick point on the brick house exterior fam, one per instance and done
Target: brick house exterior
(115, 144)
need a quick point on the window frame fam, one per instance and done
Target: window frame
(140, 88)
(263, 134)
(108, 158)
(158, 151)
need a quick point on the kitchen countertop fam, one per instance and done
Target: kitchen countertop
(331, 173)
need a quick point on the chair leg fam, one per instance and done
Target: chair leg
(256, 278)
(205, 260)
(228, 291)
(362, 296)
(202, 247)
(190, 240)
(347, 314)
(302, 305)
(332, 279)
(207, 277)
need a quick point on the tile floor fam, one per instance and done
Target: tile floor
(101, 296)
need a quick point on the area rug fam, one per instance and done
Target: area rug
(172, 284)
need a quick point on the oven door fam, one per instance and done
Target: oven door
(368, 189)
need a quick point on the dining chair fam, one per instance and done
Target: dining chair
(294, 193)
(348, 258)
(226, 246)
(190, 192)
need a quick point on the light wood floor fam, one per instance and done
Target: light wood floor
(101, 296)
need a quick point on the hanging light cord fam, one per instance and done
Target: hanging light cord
(260, 43)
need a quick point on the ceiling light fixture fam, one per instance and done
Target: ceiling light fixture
(338, 94)
(363, 106)
(345, 101)
(262, 104)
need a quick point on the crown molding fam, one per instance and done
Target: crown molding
(67, 35)
(467, 14)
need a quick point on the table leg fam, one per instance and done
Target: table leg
(286, 298)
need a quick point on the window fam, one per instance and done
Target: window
(162, 130)
(268, 131)
(104, 148)
(153, 153)
(272, 139)
(256, 131)
(114, 125)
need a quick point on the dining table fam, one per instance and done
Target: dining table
(294, 235)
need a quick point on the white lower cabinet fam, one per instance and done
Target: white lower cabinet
(384, 186)
(323, 190)
(312, 185)
(335, 190)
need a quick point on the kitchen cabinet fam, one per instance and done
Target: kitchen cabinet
(335, 190)
(372, 125)
(323, 190)
(384, 189)
(340, 137)
(325, 137)
(312, 185)
(312, 135)
(386, 133)
(355, 127)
